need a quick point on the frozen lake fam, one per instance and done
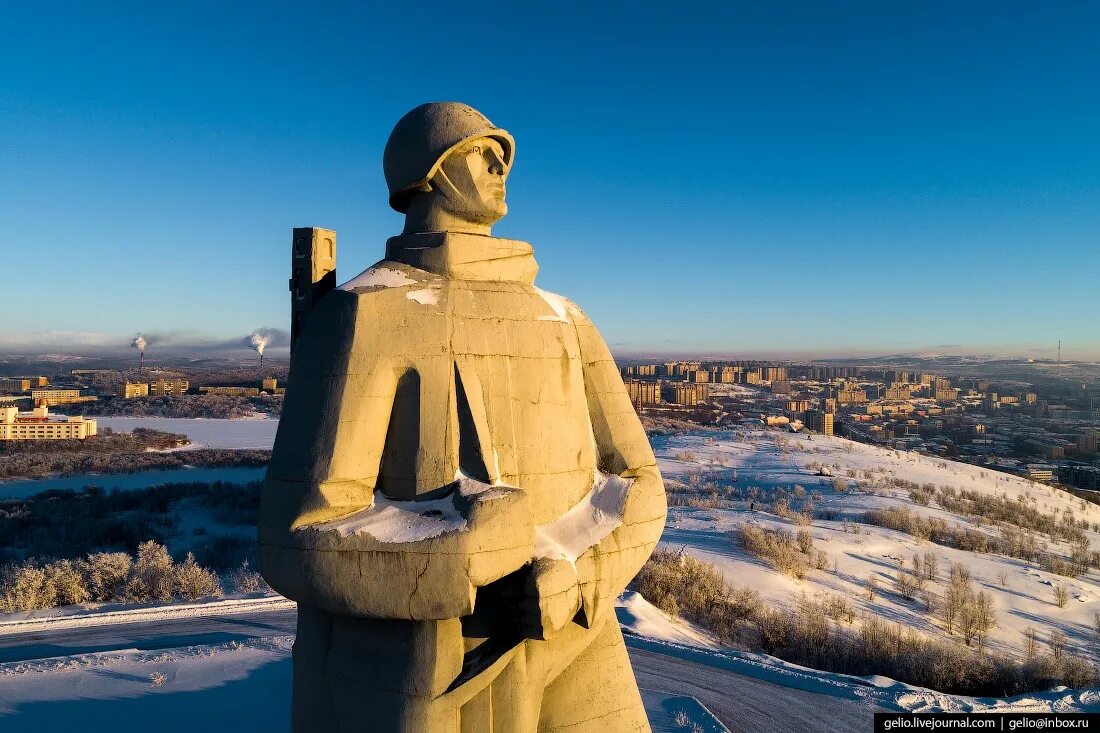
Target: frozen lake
(20, 488)
(203, 433)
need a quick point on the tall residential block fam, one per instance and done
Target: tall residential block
(643, 394)
(688, 394)
(819, 422)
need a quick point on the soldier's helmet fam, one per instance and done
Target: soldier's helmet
(424, 137)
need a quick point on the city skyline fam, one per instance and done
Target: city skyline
(824, 182)
(174, 345)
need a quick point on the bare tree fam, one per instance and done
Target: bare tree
(985, 618)
(1031, 642)
(904, 583)
(931, 565)
(1057, 641)
(871, 586)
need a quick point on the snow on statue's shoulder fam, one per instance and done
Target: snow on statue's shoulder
(425, 296)
(378, 277)
(563, 307)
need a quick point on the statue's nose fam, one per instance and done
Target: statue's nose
(496, 165)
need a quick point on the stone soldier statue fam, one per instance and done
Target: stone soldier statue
(460, 486)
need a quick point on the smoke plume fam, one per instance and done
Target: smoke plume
(139, 343)
(258, 342)
(261, 338)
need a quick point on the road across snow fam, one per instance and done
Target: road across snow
(154, 613)
(155, 629)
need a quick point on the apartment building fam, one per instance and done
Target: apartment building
(39, 424)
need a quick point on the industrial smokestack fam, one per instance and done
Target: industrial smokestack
(140, 343)
(259, 340)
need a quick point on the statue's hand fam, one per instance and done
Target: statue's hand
(550, 600)
(496, 516)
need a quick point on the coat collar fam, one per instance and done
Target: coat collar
(465, 256)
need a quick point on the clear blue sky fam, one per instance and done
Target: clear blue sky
(734, 178)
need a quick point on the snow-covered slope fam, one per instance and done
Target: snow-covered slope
(770, 460)
(640, 617)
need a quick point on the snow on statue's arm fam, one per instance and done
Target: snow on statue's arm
(327, 537)
(627, 506)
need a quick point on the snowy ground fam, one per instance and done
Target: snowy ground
(652, 629)
(235, 686)
(770, 459)
(231, 686)
(245, 685)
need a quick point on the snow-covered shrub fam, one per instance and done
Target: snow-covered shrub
(105, 574)
(194, 581)
(777, 547)
(66, 584)
(152, 577)
(812, 633)
(931, 563)
(839, 608)
(244, 579)
(972, 614)
(683, 585)
(106, 577)
(921, 496)
(24, 588)
(32, 586)
(775, 630)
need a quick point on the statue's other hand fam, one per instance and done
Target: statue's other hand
(551, 598)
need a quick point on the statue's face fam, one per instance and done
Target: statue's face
(476, 173)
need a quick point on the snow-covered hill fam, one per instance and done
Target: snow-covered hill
(863, 478)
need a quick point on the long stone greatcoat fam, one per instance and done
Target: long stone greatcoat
(442, 375)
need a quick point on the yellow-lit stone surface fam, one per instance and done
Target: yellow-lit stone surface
(460, 487)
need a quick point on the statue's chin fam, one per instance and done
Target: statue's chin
(488, 216)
